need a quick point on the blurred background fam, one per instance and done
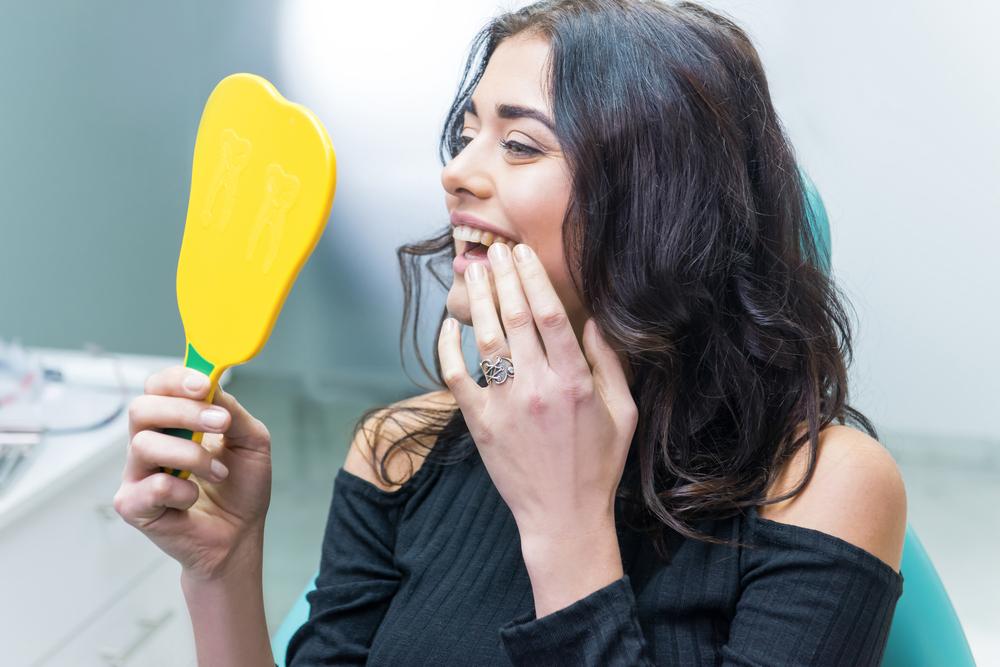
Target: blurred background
(892, 109)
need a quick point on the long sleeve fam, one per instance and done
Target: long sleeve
(357, 576)
(810, 598)
(600, 629)
(805, 598)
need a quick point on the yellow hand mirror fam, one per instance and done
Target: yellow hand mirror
(262, 183)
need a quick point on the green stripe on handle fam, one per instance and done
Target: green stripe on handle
(192, 359)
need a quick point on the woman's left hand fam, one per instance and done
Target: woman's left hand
(555, 436)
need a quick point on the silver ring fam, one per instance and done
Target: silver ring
(498, 370)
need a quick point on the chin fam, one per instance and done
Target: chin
(458, 305)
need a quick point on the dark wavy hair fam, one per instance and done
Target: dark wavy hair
(688, 239)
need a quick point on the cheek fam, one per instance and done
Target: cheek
(539, 213)
(555, 265)
(535, 204)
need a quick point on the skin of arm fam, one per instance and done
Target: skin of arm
(564, 570)
(856, 494)
(227, 611)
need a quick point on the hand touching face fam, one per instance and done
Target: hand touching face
(555, 436)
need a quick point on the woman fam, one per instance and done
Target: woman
(646, 471)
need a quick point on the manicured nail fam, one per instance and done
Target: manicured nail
(219, 469)
(476, 271)
(213, 418)
(195, 381)
(522, 251)
(499, 251)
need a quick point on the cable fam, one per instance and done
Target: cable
(97, 351)
(55, 375)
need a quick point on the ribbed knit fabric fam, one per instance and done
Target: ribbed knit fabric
(432, 574)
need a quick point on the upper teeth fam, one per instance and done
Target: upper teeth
(473, 235)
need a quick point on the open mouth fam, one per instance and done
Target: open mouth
(474, 249)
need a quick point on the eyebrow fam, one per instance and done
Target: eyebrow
(514, 111)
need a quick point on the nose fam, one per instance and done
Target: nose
(468, 172)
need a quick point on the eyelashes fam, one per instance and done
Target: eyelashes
(513, 147)
(518, 149)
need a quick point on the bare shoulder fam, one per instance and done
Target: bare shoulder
(856, 493)
(401, 465)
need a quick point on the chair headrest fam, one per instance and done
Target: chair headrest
(819, 223)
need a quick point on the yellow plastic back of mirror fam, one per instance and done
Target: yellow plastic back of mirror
(262, 184)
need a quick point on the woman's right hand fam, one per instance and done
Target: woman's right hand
(204, 521)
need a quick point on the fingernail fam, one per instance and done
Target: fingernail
(499, 251)
(195, 381)
(522, 251)
(213, 418)
(476, 271)
(219, 470)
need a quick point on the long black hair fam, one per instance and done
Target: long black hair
(688, 240)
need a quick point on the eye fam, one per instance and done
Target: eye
(518, 150)
(513, 147)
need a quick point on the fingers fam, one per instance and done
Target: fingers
(490, 338)
(178, 381)
(142, 502)
(453, 369)
(149, 450)
(515, 313)
(151, 411)
(244, 428)
(609, 376)
(561, 345)
(171, 401)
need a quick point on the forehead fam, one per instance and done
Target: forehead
(515, 73)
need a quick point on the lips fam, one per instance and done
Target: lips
(462, 262)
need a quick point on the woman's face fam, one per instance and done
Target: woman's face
(521, 190)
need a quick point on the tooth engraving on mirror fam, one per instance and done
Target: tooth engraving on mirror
(280, 193)
(225, 179)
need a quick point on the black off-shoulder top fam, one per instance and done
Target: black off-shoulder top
(432, 574)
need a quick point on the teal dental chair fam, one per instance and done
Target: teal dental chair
(925, 629)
